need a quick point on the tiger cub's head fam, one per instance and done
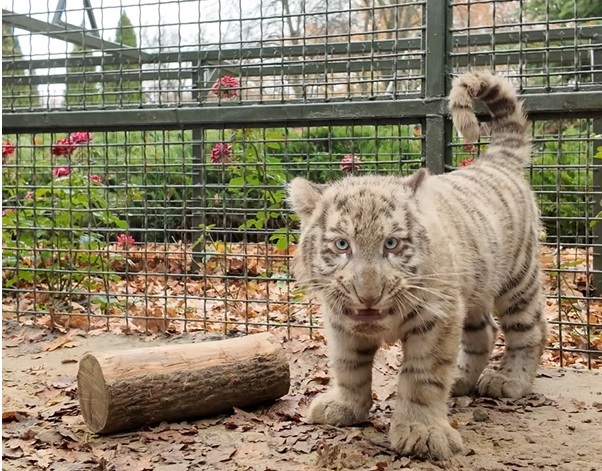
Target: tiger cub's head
(362, 246)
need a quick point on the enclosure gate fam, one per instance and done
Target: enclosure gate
(318, 82)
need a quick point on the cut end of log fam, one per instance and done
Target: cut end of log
(92, 392)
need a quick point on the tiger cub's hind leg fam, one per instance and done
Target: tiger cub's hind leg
(478, 339)
(520, 312)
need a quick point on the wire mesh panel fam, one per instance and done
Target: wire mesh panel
(183, 52)
(108, 229)
(545, 44)
(563, 175)
(553, 46)
(148, 145)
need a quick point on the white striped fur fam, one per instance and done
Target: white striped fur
(427, 259)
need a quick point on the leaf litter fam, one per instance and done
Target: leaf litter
(241, 288)
(49, 433)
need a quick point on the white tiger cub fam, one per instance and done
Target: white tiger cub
(426, 259)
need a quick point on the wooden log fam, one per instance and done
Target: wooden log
(124, 390)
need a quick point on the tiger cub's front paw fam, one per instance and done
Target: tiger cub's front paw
(435, 441)
(329, 408)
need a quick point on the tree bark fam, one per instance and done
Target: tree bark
(128, 389)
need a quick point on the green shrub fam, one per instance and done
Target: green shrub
(55, 235)
(153, 182)
(563, 180)
(150, 181)
(316, 152)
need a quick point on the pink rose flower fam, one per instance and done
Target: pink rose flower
(63, 147)
(350, 163)
(61, 171)
(80, 137)
(221, 153)
(226, 87)
(8, 148)
(125, 241)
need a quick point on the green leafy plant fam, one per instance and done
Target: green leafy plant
(258, 176)
(599, 215)
(55, 234)
(58, 231)
(152, 180)
(562, 179)
(315, 152)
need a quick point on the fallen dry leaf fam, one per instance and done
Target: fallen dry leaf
(70, 407)
(241, 420)
(572, 406)
(534, 400)
(64, 341)
(220, 454)
(380, 424)
(14, 415)
(288, 408)
(12, 453)
(303, 446)
(462, 401)
(171, 467)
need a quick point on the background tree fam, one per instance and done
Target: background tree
(81, 93)
(16, 96)
(292, 22)
(564, 9)
(392, 17)
(161, 91)
(119, 89)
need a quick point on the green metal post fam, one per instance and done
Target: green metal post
(199, 200)
(597, 230)
(436, 83)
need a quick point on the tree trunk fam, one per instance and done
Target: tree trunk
(127, 389)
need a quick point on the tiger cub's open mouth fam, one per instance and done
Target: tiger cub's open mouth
(368, 315)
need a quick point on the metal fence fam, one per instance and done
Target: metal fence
(146, 146)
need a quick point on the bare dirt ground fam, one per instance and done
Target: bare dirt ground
(559, 427)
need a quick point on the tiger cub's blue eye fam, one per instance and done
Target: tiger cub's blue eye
(341, 244)
(391, 243)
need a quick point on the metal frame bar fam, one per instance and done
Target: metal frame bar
(199, 178)
(540, 106)
(61, 8)
(72, 34)
(91, 18)
(437, 46)
(597, 128)
(253, 70)
(58, 12)
(368, 48)
(516, 37)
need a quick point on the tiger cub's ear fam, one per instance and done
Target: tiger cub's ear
(303, 196)
(416, 179)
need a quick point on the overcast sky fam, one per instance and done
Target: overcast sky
(184, 23)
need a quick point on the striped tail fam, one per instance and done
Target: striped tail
(509, 139)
